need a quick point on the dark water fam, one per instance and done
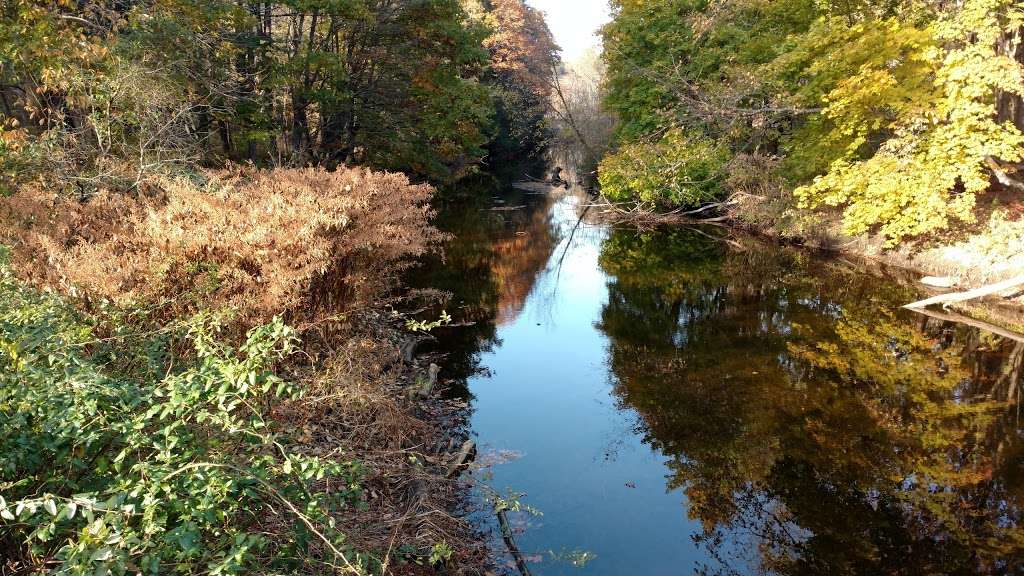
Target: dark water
(675, 404)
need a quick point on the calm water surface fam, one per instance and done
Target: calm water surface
(675, 404)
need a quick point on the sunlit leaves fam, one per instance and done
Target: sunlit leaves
(883, 108)
(675, 170)
(937, 106)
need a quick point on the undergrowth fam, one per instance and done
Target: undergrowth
(154, 452)
(158, 411)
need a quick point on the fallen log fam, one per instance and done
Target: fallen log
(952, 297)
(428, 384)
(538, 187)
(968, 321)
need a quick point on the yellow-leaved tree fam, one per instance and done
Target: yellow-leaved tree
(937, 138)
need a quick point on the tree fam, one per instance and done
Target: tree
(166, 84)
(927, 96)
(900, 113)
(523, 59)
(584, 126)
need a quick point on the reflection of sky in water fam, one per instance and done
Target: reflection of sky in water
(600, 489)
(792, 399)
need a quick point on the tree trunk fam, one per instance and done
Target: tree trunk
(1010, 106)
(225, 137)
(953, 297)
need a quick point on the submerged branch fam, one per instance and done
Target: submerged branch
(510, 543)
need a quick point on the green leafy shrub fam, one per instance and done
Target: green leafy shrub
(676, 170)
(123, 451)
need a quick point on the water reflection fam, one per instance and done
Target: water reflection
(489, 268)
(807, 421)
(685, 404)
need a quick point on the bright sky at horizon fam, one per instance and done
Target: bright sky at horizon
(574, 23)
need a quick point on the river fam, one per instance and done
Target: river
(670, 401)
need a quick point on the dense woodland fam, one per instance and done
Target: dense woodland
(105, 94)
(206, 207)
(204, 220)
(907, 116)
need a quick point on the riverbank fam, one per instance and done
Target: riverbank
(220, 373)
(969, 258)
(370, 398)
(966, 259)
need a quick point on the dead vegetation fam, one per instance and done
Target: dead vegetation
(359, 407)
(293, 241)
(324, 249)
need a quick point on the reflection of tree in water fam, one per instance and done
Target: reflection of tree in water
(518, 259)
(489, 267)
(799, 408)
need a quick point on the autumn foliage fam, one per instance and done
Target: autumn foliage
(299, 241)
(523, 59)
(899, 116)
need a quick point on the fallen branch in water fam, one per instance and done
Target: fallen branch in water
(510, 543)
(966, 320)
(735, 245)
(539, 187)
(568, 244)
(466, 454)
(633, 212)
(427, 386)
(952, 297)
